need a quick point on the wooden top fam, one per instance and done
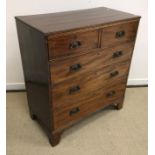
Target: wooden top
(65, 21)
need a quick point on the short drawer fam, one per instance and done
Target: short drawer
(119, 33)
(72, 43)
(109, 95)
(79, 89)
(64, 69)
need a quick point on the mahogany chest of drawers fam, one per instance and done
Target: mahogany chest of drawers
(75, 63)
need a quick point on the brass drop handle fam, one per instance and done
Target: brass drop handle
(75, 67)
(74, 89)
(120, 34)
(75, 44)
(74, 111)
(117, 54)
(115, 73)
(111, 93)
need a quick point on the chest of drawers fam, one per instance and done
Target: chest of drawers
(75, 63)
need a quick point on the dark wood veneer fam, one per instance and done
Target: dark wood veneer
(66, 21)
(36, 71)
(75, 63)
(72, 43)
(93, 60)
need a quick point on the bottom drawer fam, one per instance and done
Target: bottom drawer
(109, 95)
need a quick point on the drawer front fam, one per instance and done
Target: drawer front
(62, 70)
(119, 33)
(109, 95)
(72, 44)
(77, 90)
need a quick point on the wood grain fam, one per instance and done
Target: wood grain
(89, 105)
(92, 61)
(109, 34)
(61, 46)
(89, 83)
(71, 20)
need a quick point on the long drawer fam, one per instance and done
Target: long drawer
(110, 94)
(63, 69)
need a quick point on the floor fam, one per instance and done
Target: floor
(109, 132)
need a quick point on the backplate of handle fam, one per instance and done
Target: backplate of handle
(120, 34)
(117, 54)
(74, 111)
(111, 93)
(74, 89)
(75, 44)
(75, 67)
(115, 73)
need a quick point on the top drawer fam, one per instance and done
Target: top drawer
(72, 43)
(119, 33)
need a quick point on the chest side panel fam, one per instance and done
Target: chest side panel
(36, 72)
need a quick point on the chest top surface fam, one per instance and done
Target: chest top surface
(71, 20)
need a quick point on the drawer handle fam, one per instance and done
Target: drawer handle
(75, 67)
(111, 93)
(74, 89)
(115, 73)
(75, 44)
(120, 34)
(74, 111)
(117, 54)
